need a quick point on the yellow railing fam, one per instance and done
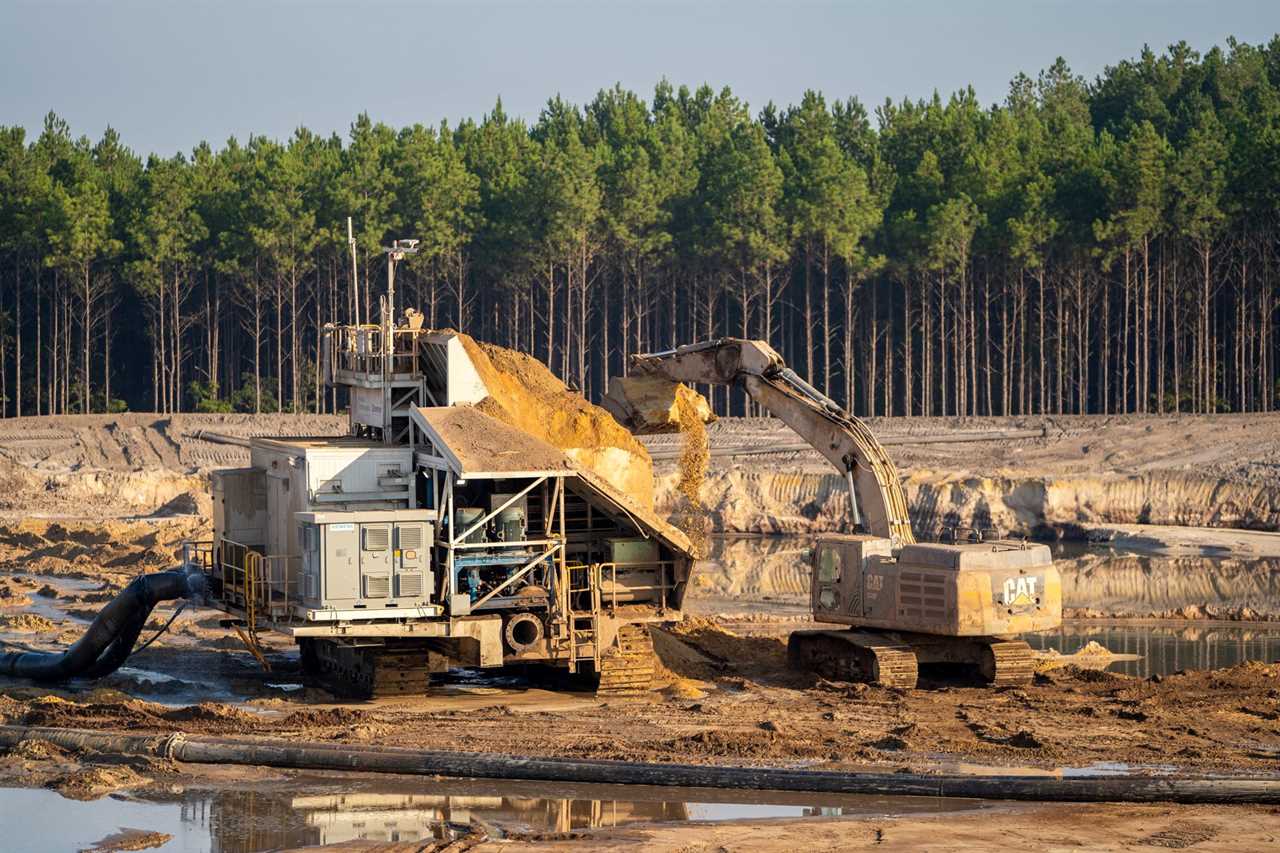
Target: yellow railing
(257, 584)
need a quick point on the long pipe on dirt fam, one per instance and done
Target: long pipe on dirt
(386, 759)
(220, 438)
(109, 639)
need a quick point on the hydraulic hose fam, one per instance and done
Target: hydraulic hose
(109, 640)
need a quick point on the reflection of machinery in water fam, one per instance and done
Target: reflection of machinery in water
(434, 535)
(242, 821)
(411, 817)
(905, 602)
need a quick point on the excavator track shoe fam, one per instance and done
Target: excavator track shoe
(847, 656)
(370, 672)
(1008, 662)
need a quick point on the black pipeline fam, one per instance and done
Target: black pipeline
(109, 640)
(386, 759)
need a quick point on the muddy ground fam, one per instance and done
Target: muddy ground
(116, 496)
(726, 694)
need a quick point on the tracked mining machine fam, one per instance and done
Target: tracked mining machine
(905, 603)
(435, 536)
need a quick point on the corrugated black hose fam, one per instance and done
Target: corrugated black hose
(109, 640)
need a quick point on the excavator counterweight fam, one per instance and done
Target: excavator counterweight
(905, 602)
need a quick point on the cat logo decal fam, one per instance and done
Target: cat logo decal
(1020, 592)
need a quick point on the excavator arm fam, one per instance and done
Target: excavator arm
(844, 440)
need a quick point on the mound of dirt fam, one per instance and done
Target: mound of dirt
(27, 623)
(524, 393)
(36, 749)
(10, 596)
(94, 782)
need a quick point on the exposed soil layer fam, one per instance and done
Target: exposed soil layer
(1207, 471)
(1211, 471)
(129, 464)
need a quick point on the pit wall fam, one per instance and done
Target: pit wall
(742, 500)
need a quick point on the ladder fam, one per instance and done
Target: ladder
(584, 642)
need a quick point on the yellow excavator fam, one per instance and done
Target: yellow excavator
(904, 602)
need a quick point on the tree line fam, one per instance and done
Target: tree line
(1082, 247)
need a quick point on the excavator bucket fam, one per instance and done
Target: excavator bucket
(653, 404)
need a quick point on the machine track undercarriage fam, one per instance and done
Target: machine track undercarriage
(368, 671)
(372, 670)
(892, 659)
(627, 668)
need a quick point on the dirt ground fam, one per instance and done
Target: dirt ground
(725, 692)
(116, 495)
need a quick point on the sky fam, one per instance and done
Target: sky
(167, 75)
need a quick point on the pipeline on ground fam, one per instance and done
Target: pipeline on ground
(385, 759)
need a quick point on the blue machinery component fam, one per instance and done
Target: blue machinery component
(467, 569)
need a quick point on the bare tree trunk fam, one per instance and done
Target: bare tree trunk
(826, 318)
(808, 315)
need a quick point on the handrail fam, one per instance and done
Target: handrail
(364, 350)
(660, 566)
(255, 582)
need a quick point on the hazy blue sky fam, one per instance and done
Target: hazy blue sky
(168, 74)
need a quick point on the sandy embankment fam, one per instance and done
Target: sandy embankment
(1217, 472)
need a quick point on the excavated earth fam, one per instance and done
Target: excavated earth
(1198, 471)
(89, 502)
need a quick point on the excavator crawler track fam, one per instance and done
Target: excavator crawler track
(369, 672)
(854, 656)
(627, 668)
(1008, 662)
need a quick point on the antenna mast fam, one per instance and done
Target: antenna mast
(355, 276)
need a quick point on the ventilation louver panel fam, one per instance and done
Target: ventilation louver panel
(377, 538)
(377, 586)
(410, 537)
(409, 586)
(922, 595)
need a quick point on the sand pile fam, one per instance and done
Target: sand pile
(524, 393)
(27, 623)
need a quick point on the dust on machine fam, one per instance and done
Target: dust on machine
(434, 536)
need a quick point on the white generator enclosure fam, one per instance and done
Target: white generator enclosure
(367, 560)
(327, 473)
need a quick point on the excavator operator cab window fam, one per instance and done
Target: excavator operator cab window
(828, 577)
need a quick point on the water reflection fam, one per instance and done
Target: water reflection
(1167, 648)
(772, 572)
(245, 821)
(317, 809)
(1117, 582)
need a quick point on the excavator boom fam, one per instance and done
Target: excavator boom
(879, 503)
